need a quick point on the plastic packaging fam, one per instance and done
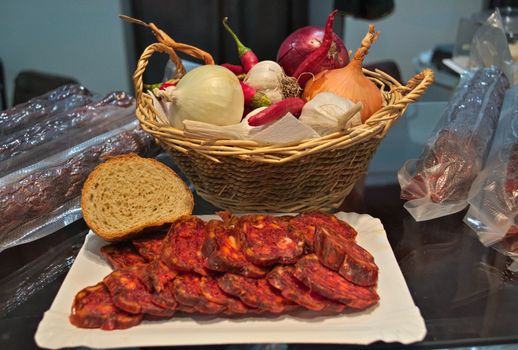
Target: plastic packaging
(37, 274)
(39, 199)
(493, 198)
(437, 184)
(490, 48)
(62, 99)
(60, 131)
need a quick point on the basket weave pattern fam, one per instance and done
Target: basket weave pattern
(244, 176)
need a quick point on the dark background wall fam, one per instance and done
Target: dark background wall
(260, 24)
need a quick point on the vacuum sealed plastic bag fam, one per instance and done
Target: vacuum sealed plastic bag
(62, 130)
(44, 197)
(493, 198)
(490, 48)
(437, 184)
(23, 115)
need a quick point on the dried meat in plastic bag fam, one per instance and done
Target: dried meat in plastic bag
(493, 198)
(63, 130)
(38, 200)
(23, 115)
(437, 184)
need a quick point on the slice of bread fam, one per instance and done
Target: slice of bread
(128, 193)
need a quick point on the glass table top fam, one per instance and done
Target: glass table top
(464, 290)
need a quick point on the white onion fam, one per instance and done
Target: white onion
(210, 94)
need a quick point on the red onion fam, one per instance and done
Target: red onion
(305, 40)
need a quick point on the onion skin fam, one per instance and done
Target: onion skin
(350, 82)
(208, 93)
(302, 42)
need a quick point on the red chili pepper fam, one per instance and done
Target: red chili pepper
(291, 105)
(253, 98)
(313, 61)
(246, 55)
(166, 85)
(237, 69)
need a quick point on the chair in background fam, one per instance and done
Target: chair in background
(29, 84)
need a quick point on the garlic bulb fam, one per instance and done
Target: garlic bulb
(327, 113)
(268, 78)
(265, 75)
(210, 94)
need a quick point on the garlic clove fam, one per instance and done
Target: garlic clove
(327, 113)
(274, 95)
(350, 118)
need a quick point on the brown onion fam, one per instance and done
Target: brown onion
(350, 82)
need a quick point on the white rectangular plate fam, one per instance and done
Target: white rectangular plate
(395, 319)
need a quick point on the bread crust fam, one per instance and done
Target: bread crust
(134, 230)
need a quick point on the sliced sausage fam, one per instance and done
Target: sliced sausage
(161, 279)
(256, 293)
(306, 224)
(281, 278)
(121, 255)
(131, 291)
(358, 266)
(93, 308)
(182, 248)
(211, 291)
(225, 250)
(345, 256)
(269, 240)
(331, 285)
(187, 291)
(149, 246)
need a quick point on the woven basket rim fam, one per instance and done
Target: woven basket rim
(396, 99)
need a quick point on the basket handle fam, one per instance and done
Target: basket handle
(143, 62)
(419, 83)
(413, 90)
(163, 38)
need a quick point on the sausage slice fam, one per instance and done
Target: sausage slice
(292, 289)
(93, 308)
(331, 285)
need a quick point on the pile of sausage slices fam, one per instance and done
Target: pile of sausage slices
(235, 266)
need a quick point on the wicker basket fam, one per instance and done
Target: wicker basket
(244, 176)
